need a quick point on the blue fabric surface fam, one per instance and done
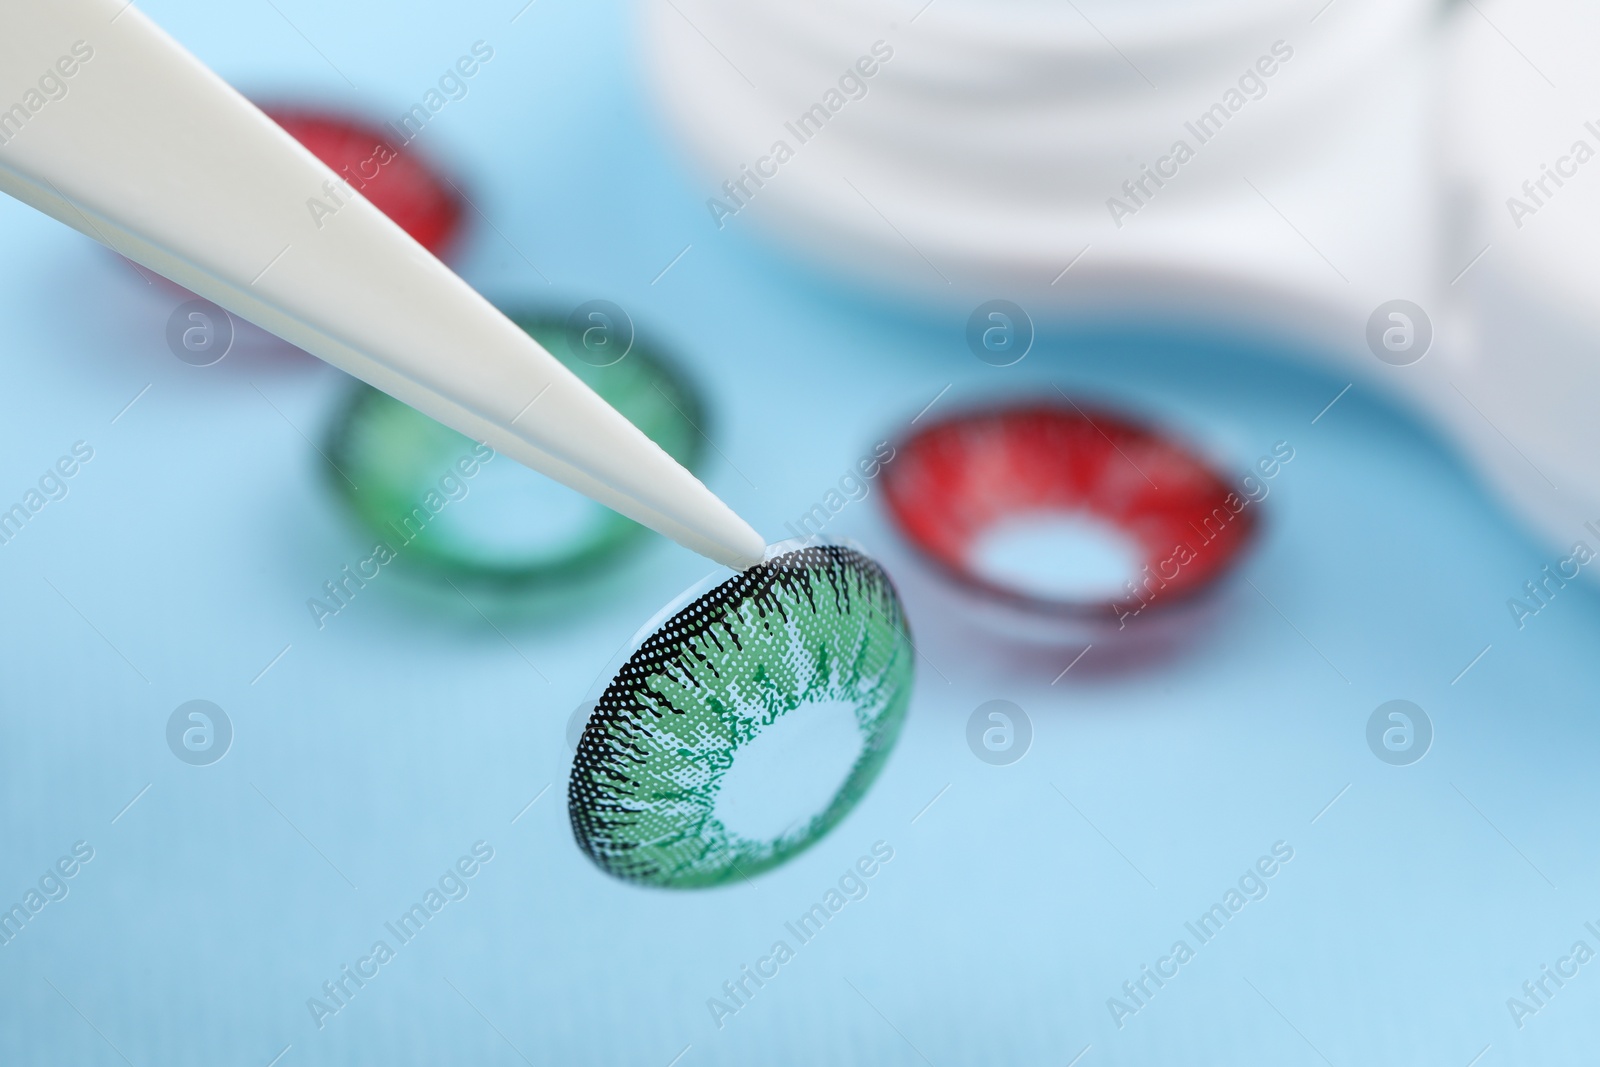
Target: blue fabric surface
(377, 751)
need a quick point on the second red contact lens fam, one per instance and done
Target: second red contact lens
(374, 161)
(1066, 511)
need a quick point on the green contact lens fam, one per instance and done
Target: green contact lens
(747, 724)
(448, 505)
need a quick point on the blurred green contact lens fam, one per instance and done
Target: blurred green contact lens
(445, 504)
(747, 725)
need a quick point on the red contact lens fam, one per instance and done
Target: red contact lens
(1067, 510)
(375, 162)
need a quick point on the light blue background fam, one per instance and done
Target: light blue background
(378, 750)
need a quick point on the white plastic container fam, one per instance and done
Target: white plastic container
(1012, 149)
(994, 146)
